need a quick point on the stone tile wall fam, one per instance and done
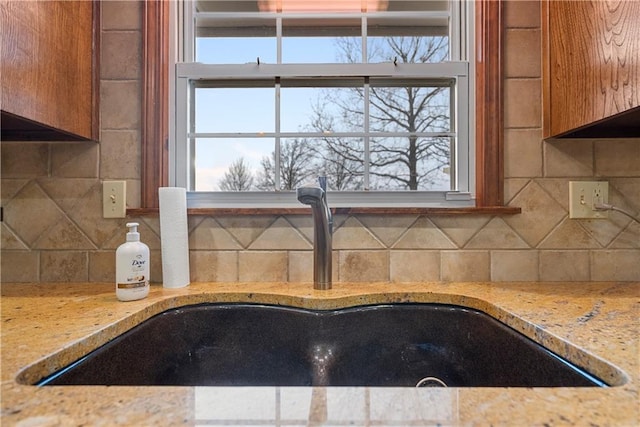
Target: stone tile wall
(53, 228)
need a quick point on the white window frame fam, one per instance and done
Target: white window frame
(460, 68)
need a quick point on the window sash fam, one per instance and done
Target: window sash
(202, 74)
(462, 153)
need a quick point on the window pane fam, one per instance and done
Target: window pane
(341, 160)
(320, 50)
(410, 109)
(407, 49)
(235, 50)
(328, 109)
(229, 39)
(235, 110)
(321, 40)
(410, 163)
(230, 164)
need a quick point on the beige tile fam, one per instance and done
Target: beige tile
(102, 266)
(31, 212)
(63, 235)
(570, 158)
(262, 266)
(210, 235)
(460, 229)
(621, 265)
(605, 231)
(134, 193)
(514, 265)
(148, 235)
(569, 266)
(617, 157)
(156, 266)
(513, 186)
(245, 229)
(523, 103)
(301, 266)
(87, 215)
(629, 190)
(153, 222)
(522, 53)
(522, 153)
(540, 214)
(465, 266)
(10, 187)
(414, 266)
(64, 266)
(629, 238)
(522, 13)
(65, 192)
(19, 266)
(387, 228)
(496, 234)
(304, 225)
(364, 266)
(121, 55)
(558, 189)
(570, 234)
(120, 104)
(8, 240)
(423, 234)
(121, 15)
(353, 235)
(20, 160)
(213, 266)
(280, 235)
(75, 160)
(120, 154)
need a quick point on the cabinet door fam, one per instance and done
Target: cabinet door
(591, 62)
(48, 67)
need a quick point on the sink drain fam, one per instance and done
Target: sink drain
(431, 382)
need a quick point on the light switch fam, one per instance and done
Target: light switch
(114, 199)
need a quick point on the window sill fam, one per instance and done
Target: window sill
(465, 211)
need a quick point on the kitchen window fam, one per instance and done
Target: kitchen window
(271, 94)
(157, 107)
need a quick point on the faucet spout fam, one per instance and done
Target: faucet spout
(316, 197)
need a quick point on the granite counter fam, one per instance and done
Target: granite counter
(594, 325)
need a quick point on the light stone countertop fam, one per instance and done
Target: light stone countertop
(595, 325)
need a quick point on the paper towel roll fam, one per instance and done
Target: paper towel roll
(174, 237)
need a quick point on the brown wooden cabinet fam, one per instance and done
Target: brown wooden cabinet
(49, 70)
(591, 68)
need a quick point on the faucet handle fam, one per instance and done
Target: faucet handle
(322, 180)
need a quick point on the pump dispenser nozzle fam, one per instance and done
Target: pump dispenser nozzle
(132, 234)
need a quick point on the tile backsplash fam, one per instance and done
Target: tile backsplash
(53, 230)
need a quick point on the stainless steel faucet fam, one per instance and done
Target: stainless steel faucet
(316, 196)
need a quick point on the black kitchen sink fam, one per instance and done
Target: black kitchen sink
(395, 345)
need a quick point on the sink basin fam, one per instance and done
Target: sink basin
(395, 345)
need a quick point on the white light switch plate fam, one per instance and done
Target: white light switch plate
(114, 199)
(583, 196)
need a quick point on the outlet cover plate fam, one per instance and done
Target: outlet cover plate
(583, 195)
(114, 201)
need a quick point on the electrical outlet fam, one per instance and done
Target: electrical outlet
(114, 199)
(584, 195)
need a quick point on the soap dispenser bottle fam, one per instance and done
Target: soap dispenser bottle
(132, 267)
